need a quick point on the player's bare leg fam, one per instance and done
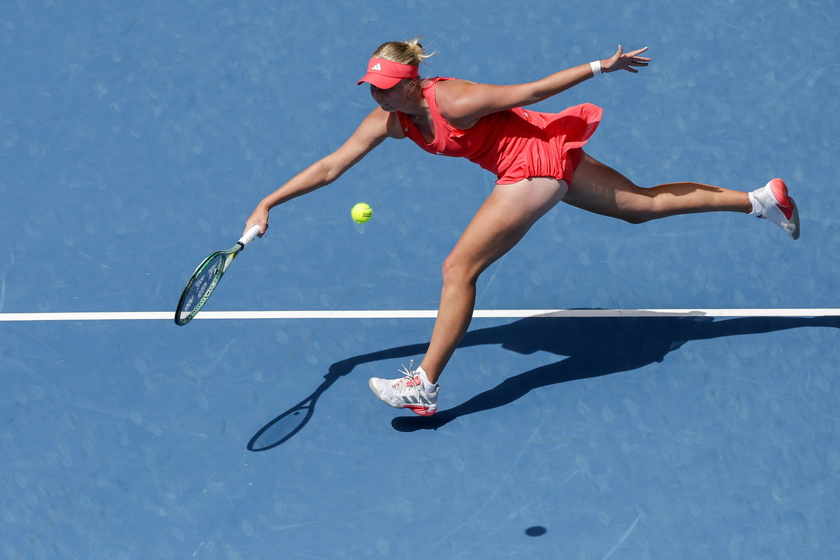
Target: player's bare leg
(602, 190)
(503, 219)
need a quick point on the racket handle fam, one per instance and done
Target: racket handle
(250, 235)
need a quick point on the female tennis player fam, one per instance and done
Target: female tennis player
(539, 161)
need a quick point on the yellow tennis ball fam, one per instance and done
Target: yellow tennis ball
(361, 213)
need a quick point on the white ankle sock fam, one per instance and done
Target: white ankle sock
(757, 210)
(428, 386)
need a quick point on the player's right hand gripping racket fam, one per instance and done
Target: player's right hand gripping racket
(206, 277)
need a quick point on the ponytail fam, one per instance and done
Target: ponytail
(404, 52)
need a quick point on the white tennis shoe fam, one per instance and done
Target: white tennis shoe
(777, 206)
(406, 392)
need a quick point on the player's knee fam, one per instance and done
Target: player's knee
(455, 271)
(451, 270)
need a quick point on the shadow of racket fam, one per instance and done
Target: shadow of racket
(287, 425)
(284, 427)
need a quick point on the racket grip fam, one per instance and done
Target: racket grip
(250, 235)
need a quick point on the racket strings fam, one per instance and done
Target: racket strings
(200, 289)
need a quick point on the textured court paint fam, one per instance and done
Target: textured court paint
(135, 139)
(703, 425)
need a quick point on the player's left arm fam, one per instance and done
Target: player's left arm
(463, 102)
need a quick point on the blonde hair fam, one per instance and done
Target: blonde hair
(404, 52)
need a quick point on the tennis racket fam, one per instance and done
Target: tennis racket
(206, 277)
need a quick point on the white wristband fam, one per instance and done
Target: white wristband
(596, 67)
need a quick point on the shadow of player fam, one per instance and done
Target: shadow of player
(593, 347)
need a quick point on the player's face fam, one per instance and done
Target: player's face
(393, 99)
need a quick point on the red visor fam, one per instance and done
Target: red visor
(385, 74)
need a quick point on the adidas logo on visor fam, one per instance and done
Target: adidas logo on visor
(377, 67)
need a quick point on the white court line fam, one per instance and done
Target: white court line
(419, 314)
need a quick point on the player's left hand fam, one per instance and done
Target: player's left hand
(625, 61)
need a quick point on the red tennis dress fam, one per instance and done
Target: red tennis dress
(514, 144)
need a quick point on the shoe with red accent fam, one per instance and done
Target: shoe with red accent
(407, 392)
(777, 206)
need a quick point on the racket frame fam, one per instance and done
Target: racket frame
(227, 259)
